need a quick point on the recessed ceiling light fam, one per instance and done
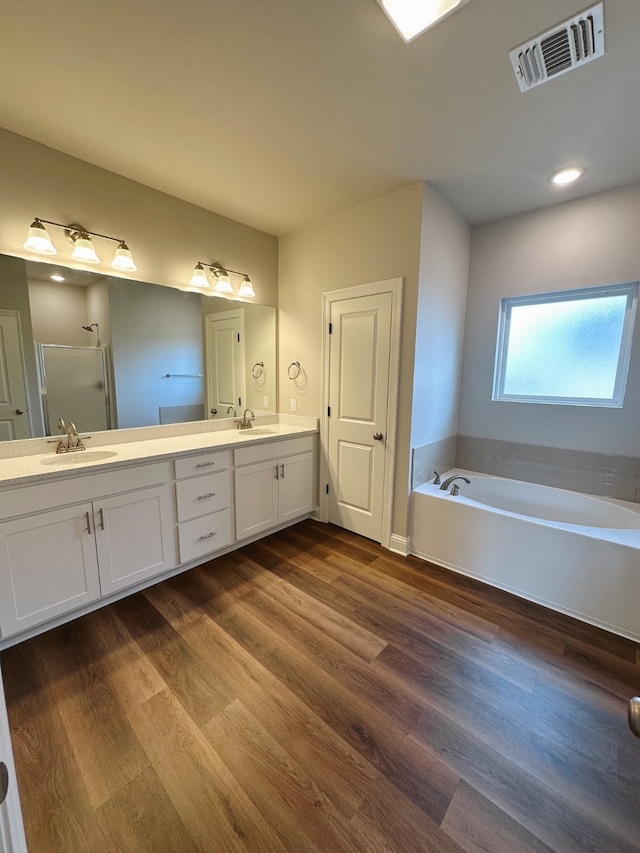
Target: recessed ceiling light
(567, 176)
(57, 278)
(412, 17)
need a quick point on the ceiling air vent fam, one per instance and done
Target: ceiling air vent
(569, 45)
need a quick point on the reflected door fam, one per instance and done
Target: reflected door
(14, 420)
(358, 392)
(224, 344)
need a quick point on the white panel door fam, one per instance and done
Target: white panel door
(224, 342)
(358, 396)
(12, 839)
(14, 420)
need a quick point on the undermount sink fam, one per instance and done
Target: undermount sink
(78, 457)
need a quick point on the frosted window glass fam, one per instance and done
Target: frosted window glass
(571, 349)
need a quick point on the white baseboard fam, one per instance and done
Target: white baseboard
(399, 544)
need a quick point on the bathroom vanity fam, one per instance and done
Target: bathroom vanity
(79, 530)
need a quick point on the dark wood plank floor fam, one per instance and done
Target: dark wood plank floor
(313, 692)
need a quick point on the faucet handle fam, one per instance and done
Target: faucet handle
(437, 479)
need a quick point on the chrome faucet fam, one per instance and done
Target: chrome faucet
(232, 409)
(450, 480)
(245, 423)
(71, 441)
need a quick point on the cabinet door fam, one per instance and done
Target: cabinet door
(135, 537)
(48, 567)
(256, 498)
(296, 483)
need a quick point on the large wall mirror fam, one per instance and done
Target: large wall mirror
(110, 353)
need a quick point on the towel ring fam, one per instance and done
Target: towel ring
(257, 370)
(296, 366)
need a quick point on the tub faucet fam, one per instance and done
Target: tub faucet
(232, 409)
(450, 480)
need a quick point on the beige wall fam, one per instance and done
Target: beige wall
(591, 241)
(374, 242)
(166, 235)
(444, 271)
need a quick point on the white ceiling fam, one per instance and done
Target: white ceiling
(282, 113)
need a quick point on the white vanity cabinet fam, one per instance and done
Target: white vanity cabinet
(273, 484)
(63, 544)
(203, 503)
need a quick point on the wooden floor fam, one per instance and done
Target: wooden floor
(313, 692)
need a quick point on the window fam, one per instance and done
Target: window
(569, 348)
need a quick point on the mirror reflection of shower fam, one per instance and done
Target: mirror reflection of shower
(89, 328)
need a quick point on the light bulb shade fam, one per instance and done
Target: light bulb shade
(38, 240)
(199, 277)
(246, 288)
(123, 259)
(83, 250)
(223, 283)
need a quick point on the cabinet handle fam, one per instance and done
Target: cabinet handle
(204, 497)
(282, 470)
(101, 515)
(4, 782)
(277, 475)
(204, 464)
(207, 536)
(88, 519)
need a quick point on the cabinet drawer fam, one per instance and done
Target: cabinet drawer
(202, 495)
(202, 463)
(272, 450)
(204, 535)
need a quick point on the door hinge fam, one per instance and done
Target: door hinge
(238, 337)
(328, 411)
(330, 328)
(327, 488)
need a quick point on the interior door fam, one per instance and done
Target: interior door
(14, 420)
(12, 839)
(224, 345)
(359, 358)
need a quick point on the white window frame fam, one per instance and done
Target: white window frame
(624, 355)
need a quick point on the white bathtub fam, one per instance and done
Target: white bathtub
(575, 553)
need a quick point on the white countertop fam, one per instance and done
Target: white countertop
(39, 467)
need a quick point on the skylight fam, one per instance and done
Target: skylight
(413, 17)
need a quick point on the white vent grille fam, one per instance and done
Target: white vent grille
(567, 46)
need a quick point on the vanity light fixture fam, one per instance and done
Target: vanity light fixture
(38, 240)
(567, 176)
(222, 279)
(411, 17)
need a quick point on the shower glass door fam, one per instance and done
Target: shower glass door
(74, 387)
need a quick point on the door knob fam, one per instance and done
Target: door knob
(378, 436)
(214, 411)
(4, 782)
(19, 411)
